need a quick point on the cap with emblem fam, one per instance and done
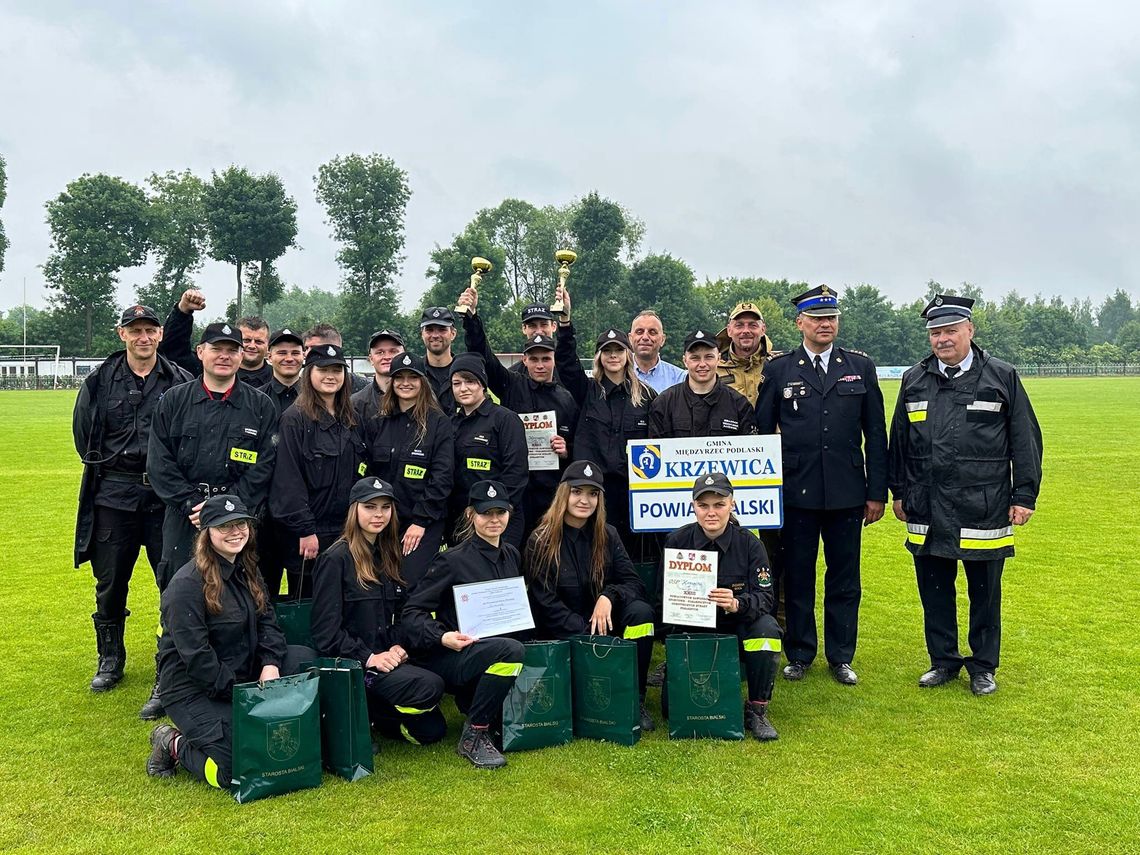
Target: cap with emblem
(471, 363)
(213, 333)
(370, 488)
(385, 333)
(485, 495)
(437, 316)
(535, 342)
(699, 338)
(821, 302)
(745, 308)
(944, 310)
(138, 313)
(284, 335)
(325, 354)
(537, 312)
(612, 336)
(219, 510)
(714, 482)
(407, 362)
(584, 473)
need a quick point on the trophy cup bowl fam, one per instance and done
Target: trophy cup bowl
(480, 266)
(564, 257)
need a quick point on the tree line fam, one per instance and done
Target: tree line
(101, 225)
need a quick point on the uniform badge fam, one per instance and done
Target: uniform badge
(788, 393)
(699, 334)
(709, 480)
(332, 350)
(588, 472)
(764, 577)
(407, 360)
(376, 485)
(229, 505)
(491, 493)
(286, 331)
(435, 314)
(226, 329)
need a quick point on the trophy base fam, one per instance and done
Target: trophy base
(462, 310)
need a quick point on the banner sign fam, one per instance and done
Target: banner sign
(662, 473)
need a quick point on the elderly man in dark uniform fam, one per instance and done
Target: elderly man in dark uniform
(825, 399)
(965, 468)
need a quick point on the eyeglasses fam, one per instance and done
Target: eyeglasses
(235, 525)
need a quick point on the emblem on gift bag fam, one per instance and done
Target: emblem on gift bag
(598, 693)
(541, 696)
(283, 739)
(704, 688)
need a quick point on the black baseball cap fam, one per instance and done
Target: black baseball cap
(437, 316)
(715, 482)
(471, 363)
(538, 341)
(138, 313)
(325, 354)
(612, 336)
(385, 333)
(407, 362)
(220, 331)
(370, 488)
(485, 495)
(284, 335)
(536, 312)
(583, 473)
(222, 509)
(699, 338)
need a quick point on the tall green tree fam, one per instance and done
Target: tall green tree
(666, 285)
(249, 218)
(3, 197)
(870, 323)
(529, 237)
(299, 309)
(598, 276)
(450, 272)
(1113, 314)
(179, 239)
(99, 225)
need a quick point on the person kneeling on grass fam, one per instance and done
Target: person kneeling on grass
(357, 597)
(743, 595)
(581, 579)
(219, 630)
(478, 671)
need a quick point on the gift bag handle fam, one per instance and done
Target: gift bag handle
(301, 582)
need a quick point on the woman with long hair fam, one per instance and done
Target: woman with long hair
(357, 598)
(218, 630)
(320, 454)
(581, 580)
(411, 446)
(479, 672)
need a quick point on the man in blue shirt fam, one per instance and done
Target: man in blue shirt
(647, 336)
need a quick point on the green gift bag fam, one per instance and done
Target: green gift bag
(647, 572)
(606, 704)
(703, 683)
(277, 736)
(346, 735)
(537, 713)
(295, 616)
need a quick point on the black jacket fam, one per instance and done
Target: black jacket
(256, 377)
(111, 433)
(964, 450)
(742, 566)
(176, 345)
(202, 653)
(350, 620)
(440, 381)
(317, 464)
(681, 412)
(563, 597)
(366, 401)
(430, 609)
(282, 396)
(833, 433)
(420, 471)
(224, 443)
(489, 444)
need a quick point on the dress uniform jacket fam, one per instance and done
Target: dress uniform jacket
(679, 411)
(351, 620)
(204, 653)
(111, 433)
(833, 431)
(219, 443)
(963, 450)
(317, 464)
(564, 596)
(489, 444)
(420, 470)
(430, 609)
(742, 567)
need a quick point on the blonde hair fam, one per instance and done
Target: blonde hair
(635, 388)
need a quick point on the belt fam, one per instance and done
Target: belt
(125, 477)
(208, 490)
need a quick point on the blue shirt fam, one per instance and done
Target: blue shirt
(661, 376)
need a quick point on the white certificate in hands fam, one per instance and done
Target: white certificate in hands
(497, 607)
(689, 577)
(540, 429)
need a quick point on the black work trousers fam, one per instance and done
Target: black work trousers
(841, 532)
(404, 703)
(177, 545)
(936, 589)
(117, 537)
(479, 676)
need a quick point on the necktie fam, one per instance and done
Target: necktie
(952, 371)
(819, 369)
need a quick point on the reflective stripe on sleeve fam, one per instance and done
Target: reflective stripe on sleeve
(639, 631)
(916, 533)
(756, 645)
(505, 669)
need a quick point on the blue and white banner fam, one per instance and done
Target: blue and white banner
(662, 472)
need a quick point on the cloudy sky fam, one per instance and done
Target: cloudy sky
(835, 142)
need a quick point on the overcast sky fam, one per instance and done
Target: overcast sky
(820, 141)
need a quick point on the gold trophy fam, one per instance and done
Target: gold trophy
(564, 257)
(480, 265)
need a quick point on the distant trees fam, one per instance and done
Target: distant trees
(3, 196)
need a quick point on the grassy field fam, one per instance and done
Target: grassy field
(1048, 764)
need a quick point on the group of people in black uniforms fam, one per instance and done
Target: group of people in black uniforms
(375, 498)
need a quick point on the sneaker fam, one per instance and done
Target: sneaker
(475, 744)
(756, 721)
(161, 762)
(647, 725)
(795, 670)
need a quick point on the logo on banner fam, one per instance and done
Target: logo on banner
(646, 461)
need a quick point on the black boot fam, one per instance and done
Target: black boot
(112, 654)
(153, 708)
(475, 744)
(162, 762)
(757, 723)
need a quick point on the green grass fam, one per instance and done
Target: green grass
(1048, 764)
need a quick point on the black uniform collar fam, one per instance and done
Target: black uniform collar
(491, 553)
(226, 569)
(483, 409)
(709, 396)
(707, 545)
(200, 393)
(280, 388)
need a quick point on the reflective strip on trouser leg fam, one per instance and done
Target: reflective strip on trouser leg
(413, 710)
(505, 669)
(986, 538)
(639, 631)
(407, 734)
(916, 533)
(211, 771)
(757, 645)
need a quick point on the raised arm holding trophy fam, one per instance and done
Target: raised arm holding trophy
(564, 257)
(480, 266)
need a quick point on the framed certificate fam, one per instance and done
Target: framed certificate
(497, 607)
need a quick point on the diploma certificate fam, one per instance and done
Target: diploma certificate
(540, 429)
(689, 576)
(491, 608)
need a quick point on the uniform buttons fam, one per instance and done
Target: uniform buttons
(825, 446)
(825, 412)
(825, 430)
